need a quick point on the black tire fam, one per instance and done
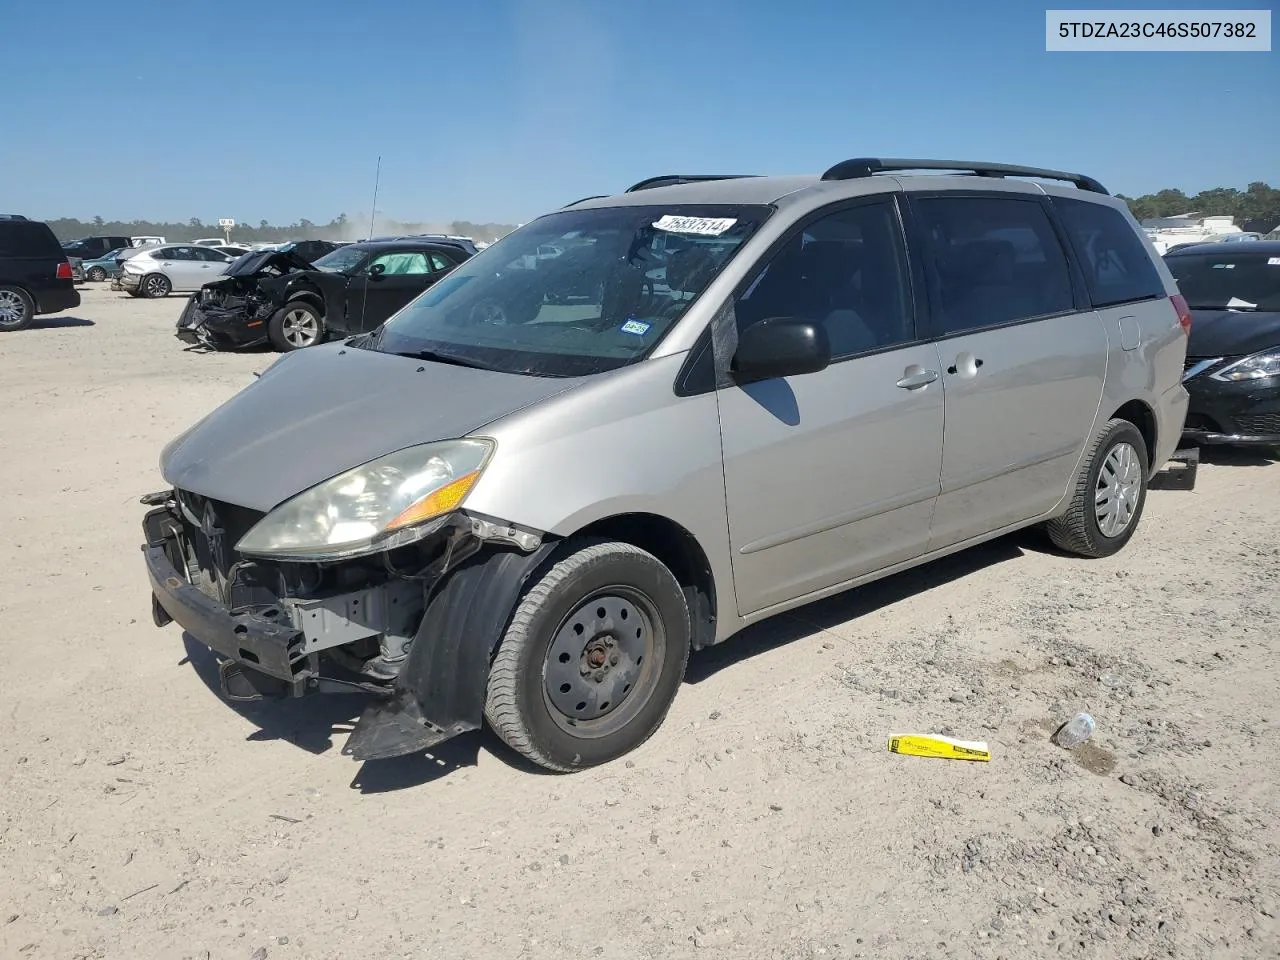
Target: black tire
(96, 274)
(154, 286)
(287, 326)
(642, 671)
(1080, 530)
(17, 309)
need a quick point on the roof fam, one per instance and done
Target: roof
(1261, 248)
(859, 175)
(406, 244)
(739, 190)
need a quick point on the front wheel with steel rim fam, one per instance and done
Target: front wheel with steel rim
(156, 285)
(294, 326)
(1109, 494)
(16, 308)
(96, 274)
(592, 659)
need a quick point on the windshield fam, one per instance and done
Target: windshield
(342, 260)
(1216, 281)
(576, 292)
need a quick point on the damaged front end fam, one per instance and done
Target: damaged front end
(392, 625)
(232, 312)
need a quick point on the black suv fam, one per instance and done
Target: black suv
(35, 274)
(87, 248)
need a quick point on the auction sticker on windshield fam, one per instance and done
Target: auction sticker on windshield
(704, 226)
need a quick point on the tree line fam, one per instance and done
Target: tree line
(340, 227)
(1256, 207)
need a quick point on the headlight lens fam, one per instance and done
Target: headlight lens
(378, 506)
(1257, 367)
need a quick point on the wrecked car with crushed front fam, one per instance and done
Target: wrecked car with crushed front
(281, 298)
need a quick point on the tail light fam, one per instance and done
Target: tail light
(64, 270)
(1184, 312)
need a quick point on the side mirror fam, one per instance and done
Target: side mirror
(377, 270)
(780, 347)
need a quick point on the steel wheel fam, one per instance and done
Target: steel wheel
(300, 327)
(97, 274)
(15, 309)
(603, 661)
(1117, 491)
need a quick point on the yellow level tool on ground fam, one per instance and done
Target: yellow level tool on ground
(930, 745)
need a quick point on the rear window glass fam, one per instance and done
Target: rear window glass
(1222, 279)
(1117, 267)
(27, 239)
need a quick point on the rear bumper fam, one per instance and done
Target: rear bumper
(57, 299)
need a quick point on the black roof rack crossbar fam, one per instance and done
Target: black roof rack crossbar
(866, 166)
(670, 180)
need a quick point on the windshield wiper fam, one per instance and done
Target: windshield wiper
(434, 356)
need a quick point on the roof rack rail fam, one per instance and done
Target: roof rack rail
(594, 196)
(866, 166)
(670, 180)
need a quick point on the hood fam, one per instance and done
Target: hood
(250, 263)
(318, 412)
(1232, 333)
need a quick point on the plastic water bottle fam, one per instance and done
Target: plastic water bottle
(1075, 731)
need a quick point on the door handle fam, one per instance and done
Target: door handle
(913, 381)
(977, 362)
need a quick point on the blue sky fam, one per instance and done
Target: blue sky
(498, 111)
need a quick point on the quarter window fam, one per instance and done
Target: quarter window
(1117, 266)
(845, 271)
(439, 263)
(993, 261)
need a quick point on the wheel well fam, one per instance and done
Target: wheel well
(680, 552)
(1140, 415)
(309, 298)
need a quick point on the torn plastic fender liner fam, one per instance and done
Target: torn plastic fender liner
(441, 689)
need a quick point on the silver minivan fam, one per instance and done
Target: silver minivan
(530, 494)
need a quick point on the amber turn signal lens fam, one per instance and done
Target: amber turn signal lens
(442, 501)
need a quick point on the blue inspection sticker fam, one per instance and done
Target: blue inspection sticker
(636, 327)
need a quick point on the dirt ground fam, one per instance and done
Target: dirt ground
(143, 817)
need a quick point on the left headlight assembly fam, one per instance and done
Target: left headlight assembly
(1257, 367)
(386, 503)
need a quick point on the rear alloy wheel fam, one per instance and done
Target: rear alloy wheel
(1109, 496)
(592, 659)
(294, 326)
(96, 274)
(156, 285)
(16, 308)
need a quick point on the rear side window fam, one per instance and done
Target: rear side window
(993, 261)
(28, 238)
(1117, 267)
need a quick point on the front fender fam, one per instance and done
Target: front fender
(441, 689)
